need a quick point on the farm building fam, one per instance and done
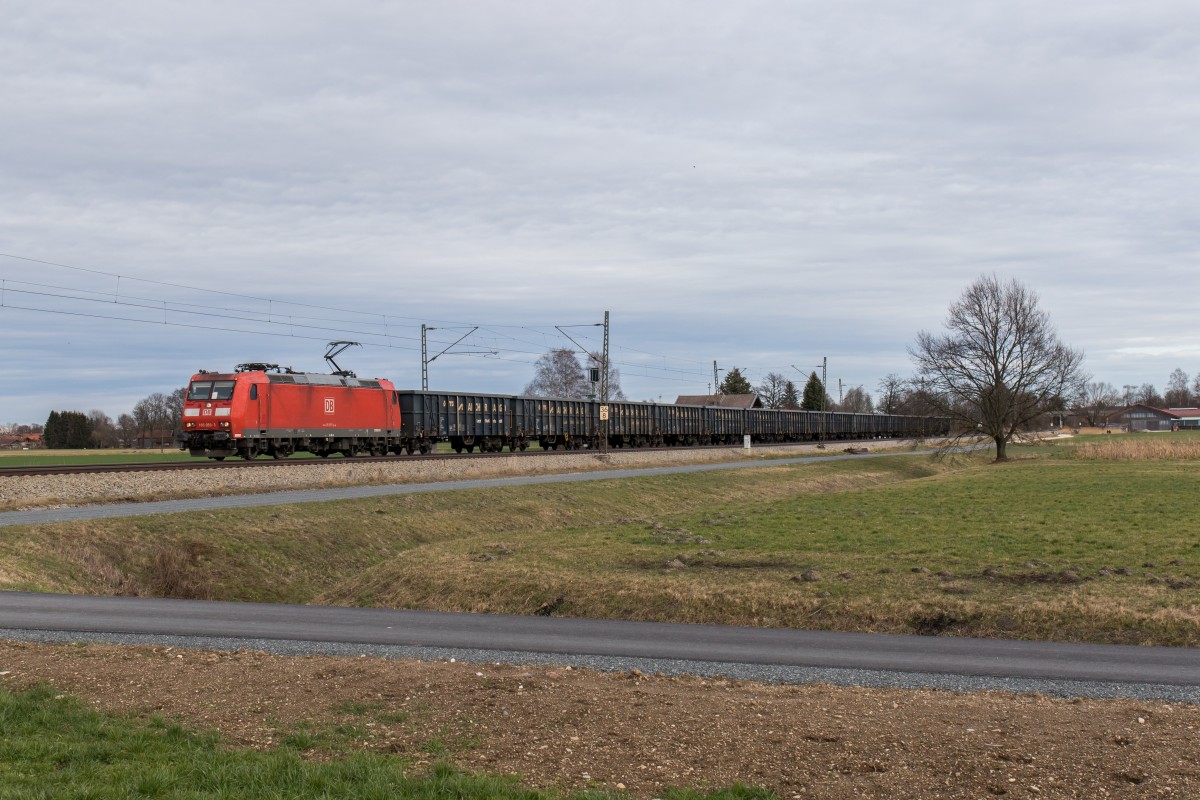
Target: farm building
(720, 400)
(1141, 417)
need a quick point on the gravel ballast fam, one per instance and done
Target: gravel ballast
(24, 492)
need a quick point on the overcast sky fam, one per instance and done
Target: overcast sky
(762, 184)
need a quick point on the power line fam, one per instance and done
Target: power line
(293, 322)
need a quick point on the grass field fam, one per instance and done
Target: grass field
(1061, 543)
(33, 458)
(55, 747)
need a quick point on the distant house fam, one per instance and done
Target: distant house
(1140, 417)
(157, 439)
(20, 441)
(720, 400)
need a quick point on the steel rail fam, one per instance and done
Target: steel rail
(239, 463)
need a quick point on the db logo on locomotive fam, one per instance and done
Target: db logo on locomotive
(328, 405)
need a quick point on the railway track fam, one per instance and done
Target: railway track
(266, 463)
(260, 463)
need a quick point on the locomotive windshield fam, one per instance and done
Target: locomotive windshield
(210, 390)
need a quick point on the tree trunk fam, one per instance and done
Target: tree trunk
(1001, 445)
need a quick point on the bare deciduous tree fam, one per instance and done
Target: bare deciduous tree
(1000, 365)
(891, 393)
(127, 430)
(773, 390)
(559, 374)
(1094, 398)
(1177, 389)
(104, 432)
(174, 404)
(1147, 395)
(857, 401)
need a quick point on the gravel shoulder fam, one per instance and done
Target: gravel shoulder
(53, 491)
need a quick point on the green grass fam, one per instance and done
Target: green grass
(36, 458)
(1048, 546)
(53, 747)
(55, 458)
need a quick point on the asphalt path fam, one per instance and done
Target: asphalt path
(1045, 661)
(116, 510)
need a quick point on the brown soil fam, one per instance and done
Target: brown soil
(558, 727)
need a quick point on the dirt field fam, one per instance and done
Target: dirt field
(575, 729)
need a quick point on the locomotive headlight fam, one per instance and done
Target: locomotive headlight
(189, 424)
(225, 424)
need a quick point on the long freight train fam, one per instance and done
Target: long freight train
(261, 410)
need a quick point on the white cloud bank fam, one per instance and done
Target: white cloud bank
(761, 183)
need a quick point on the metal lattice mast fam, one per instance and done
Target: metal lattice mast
(424, 362)
(604, 387)
(824, 394)
(604, 364)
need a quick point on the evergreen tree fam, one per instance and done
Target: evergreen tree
(814, 395)
(52, 434)
(790, 399)
(67, 429)
(735, 383)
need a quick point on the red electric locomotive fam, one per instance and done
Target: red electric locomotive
(262, 409)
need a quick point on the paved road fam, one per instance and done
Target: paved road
(1050, 661)
(49, 515)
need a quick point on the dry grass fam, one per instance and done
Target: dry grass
(1047, 547)
(1148, 447)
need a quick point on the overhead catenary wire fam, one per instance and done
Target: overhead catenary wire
(380, 330)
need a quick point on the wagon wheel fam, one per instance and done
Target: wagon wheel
(424, 447)
(250, 453)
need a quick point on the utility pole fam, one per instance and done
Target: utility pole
(604, 365)
(824, 394)
(426, 361)
(715, 382)
(604, 390)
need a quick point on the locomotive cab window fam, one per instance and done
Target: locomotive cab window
(200, 390)
(254, 391)
(222, 390)
(210, 390)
